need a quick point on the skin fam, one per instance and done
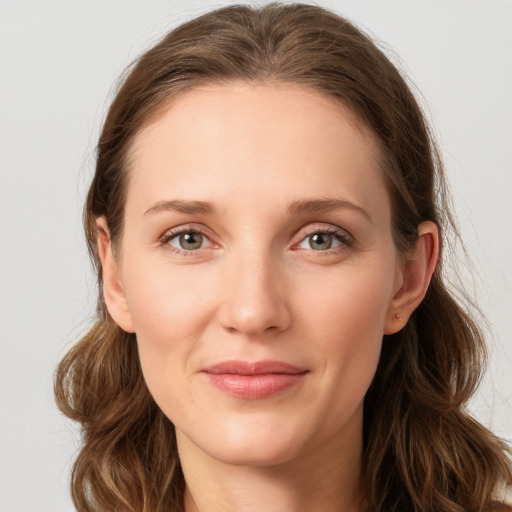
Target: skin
(259, 287)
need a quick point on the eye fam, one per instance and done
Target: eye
(325, 240)
(321, 241)
(187, 240)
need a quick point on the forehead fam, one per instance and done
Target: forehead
(279, 140)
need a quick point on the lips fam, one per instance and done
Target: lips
(253, 380)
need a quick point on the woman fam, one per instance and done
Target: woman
(273, 329)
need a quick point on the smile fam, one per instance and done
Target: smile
(253, 381)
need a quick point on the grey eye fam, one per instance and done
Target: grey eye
(187, 241)
(320, 241)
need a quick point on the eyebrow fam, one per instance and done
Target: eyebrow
(182, 206)
(296, 207)
(325, 205)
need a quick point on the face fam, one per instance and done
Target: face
(257, 270)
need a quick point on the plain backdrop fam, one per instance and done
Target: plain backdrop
(58, 63)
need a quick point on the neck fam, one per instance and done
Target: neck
(326, 479)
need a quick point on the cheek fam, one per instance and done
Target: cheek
(346, 317)
(350, 300)
(170, 309)
(170, 303)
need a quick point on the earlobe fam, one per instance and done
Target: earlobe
(417, 272)
(113, 290)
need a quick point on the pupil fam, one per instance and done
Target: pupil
(321, 241)
(191, 240)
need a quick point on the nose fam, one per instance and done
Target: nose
(253, 297)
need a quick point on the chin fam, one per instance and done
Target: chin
(251, 442)
(256, 455)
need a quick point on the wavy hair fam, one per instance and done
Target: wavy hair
(422, 451)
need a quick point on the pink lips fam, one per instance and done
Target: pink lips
(255, 380)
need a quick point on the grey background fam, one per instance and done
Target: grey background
(58, 63)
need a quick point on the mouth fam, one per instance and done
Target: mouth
(254, 380)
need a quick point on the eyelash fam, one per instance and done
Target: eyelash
(346, 241)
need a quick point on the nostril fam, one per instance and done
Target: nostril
(253, 301)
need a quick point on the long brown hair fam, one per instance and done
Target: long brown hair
(422, 450)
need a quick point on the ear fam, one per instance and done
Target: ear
(416, 272)
(113, 291)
